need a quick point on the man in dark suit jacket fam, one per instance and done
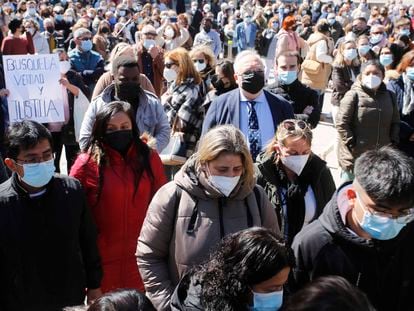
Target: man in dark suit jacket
(234, 107)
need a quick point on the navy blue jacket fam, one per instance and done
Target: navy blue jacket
(225, 109)
(407, 121)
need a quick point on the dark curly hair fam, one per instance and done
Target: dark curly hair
(242, 260)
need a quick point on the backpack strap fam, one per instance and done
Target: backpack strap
(258, 201)
(178, 195)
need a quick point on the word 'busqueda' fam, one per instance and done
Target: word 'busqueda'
(34, 108)
(45, 63)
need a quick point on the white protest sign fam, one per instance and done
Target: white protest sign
(35, 92)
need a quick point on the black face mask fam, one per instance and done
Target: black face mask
(218, 85)
(207, 28)
(119, 140)
(105, 30)
(50, 29)
(129, 92)
(357, 31)
(253, 81)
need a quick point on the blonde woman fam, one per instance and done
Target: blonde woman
(296, 181)
(212, 196)
(121, 49)
(205, 63)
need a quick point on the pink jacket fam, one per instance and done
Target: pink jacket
(288, 41)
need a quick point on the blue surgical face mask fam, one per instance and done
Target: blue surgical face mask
(386, 59)
(59, 17)
(86, 45)
(39, 174)
(350, 54)
(410, 73)
(267, 301)
(287, 77)
(331, 21)
(405, 32)
(364, 49)
(379, 227)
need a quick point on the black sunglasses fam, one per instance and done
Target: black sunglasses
(293, 125)
(169, 65)
(201, 61)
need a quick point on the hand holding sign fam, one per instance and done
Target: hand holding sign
(4, 92)
(35, 92)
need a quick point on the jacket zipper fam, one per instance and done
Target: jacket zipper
(220, 205)
(379, 123)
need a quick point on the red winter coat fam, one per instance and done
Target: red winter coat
(119, 214)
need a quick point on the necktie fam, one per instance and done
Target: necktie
(254, 131)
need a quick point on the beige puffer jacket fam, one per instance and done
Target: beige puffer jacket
(173, 241)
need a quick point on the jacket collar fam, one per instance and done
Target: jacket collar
(22, 192)
(116, 158)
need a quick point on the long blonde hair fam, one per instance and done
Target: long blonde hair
(340, 59)
(226, 139)
(207, 52)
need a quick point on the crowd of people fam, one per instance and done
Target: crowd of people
(191, 181)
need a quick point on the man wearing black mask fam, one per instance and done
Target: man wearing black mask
(54, 39)
(150, 115)
(208, 36)
(255, 111)
(360, 27)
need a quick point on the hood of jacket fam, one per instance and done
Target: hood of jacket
(194, 180)
(187, 295)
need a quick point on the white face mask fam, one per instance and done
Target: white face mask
(371, 81)
(295, 163)
(148, 43)
(169, 74)
(64, 66)
(200, 67)
(223, 183)
(169, 33)
(31, 31)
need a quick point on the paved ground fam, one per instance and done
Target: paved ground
(324, 135)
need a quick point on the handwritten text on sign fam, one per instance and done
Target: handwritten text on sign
(35, 92)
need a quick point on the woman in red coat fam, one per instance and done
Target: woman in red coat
(120, 175)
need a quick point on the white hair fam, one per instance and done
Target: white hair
(81, 32)
(242, 56)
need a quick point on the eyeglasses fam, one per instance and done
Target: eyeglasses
(404, 217)
(294, 125)
(85, 39)
(169, 65)
(35, 161)
(201, 61)
(377, 33)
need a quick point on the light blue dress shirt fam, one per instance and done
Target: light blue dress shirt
(264, 115)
